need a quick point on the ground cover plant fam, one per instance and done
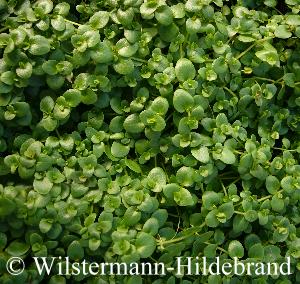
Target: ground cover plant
(139, 131)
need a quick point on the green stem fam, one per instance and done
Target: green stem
(161, 242)
(279, 81)
(169, 117)
(226, 173)
(264, 79)
(238, 212)
(250, 47)
(229, 91)
(277, 10)
(245, 51)
(230, 39)
(74, 23)
(261, 199)
(219, 248)
(282, 149)
(57, 133)
(268, 196)
(236, 180)
(3, 29)
(181, 51)
(224, 189)
(139, 59)
(164, 168)
(173, 215)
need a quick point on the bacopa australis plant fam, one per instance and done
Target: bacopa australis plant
(145, 130)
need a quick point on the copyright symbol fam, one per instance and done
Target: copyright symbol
(15, 266)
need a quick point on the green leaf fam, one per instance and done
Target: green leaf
(201, 154)
(62, 9)
(124, 66)
(103, 53)
(293, 20)
(289, 79)
(45, 226)
(251, 215)
(256, 251)
(277, 203)
(7, 77)
(58, 23)
(235, 249)
(272, 184)
(55, 82)
(182, 100)
(185, 70)
(211, 219)
(132, 124)
(183, 197)
(161, 215)
(126, 49)
(43, 186)
(133, 165)
(75, 251)
(160, 106)
(49, 123)
(151, 226)
(156, 179)
(121, 247)
(17, 248)
(72, 97)
(7, 206)
(119, 150)
(99, 20)
(268, 54)
(210, 199)
(47, 104)
(39, 45)
(24, 71)
(88, 97)
(227, 156)
(226, 210)
(92, 38)
(283, 32)
(164, 15)
(145, 245)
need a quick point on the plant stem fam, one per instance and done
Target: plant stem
(74, 23)
(57, 133)
(236, 180)
(219, 248)
(139, 60)
(161, 242)
(261, 199)
(268, 196)
(264, 79)
(282, 149)
(238, 212)
(170, 116)
(3, 29)
(224, 189)
(250, 47)
(229, 91)
(245, 51)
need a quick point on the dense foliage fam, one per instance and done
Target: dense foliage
(144, 130)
